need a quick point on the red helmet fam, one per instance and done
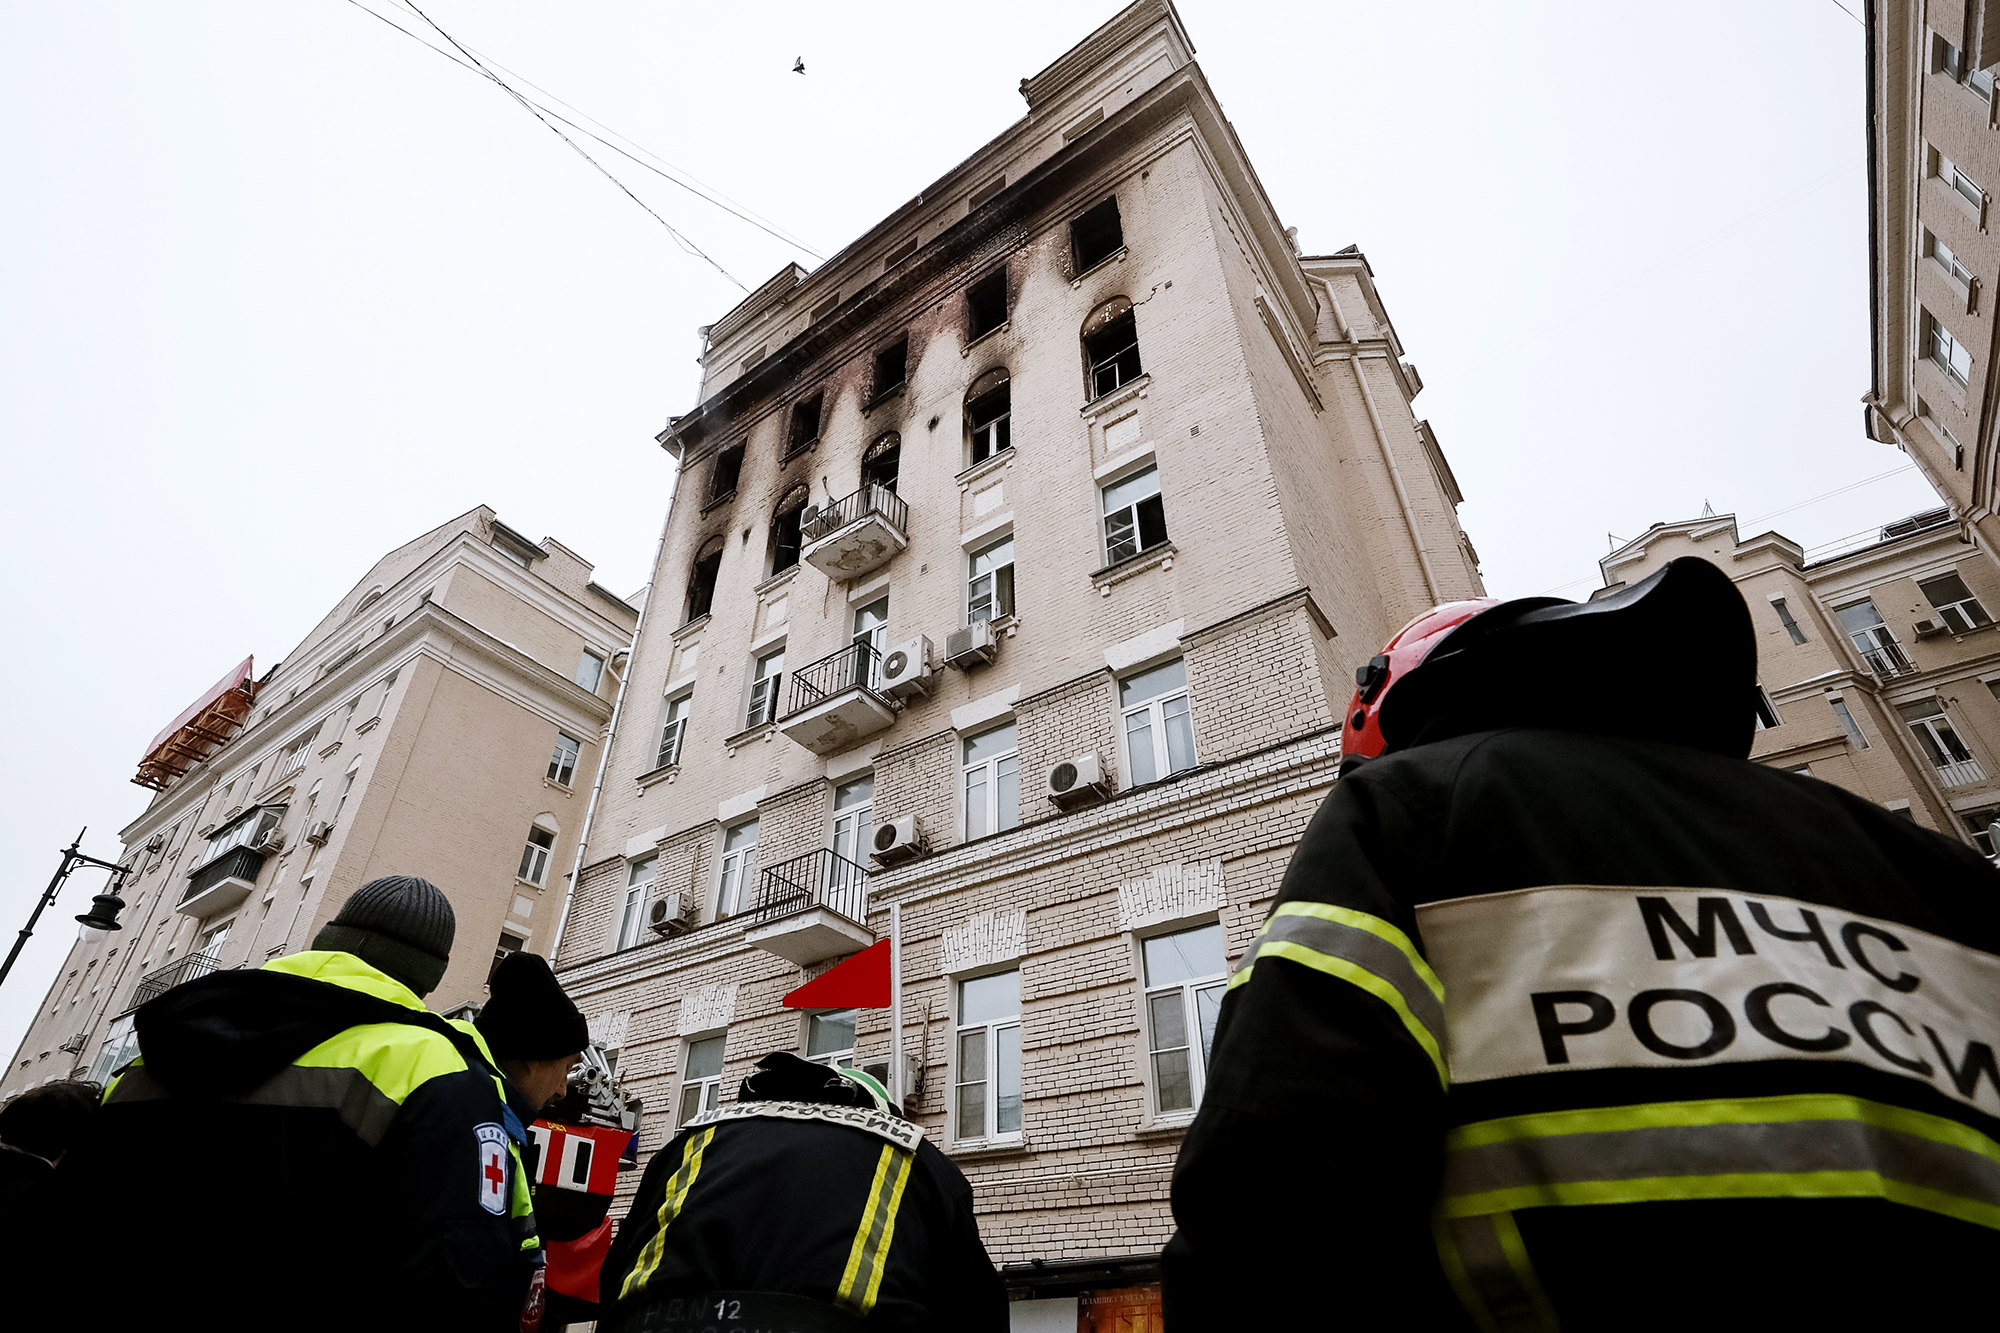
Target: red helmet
(1362, 736)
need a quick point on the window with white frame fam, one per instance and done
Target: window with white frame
(638, 887)
(853, 825)
(1767, 712)
(766, 676)
(1785, 618)
(1967, 188)
(1848, 726)
(1948, 353)
(1135, 518)
(830, 1038)
(987, 1074)
(589, 670)
(1955, 604)
(119, 1048)
(1872, 639)
(871, 626)
(347, 717)
(340, 804)
(673, 729)
(535, 856)
(989, 587)
(987, 418)
(1945, 58)
(1185, 976)
(1939, 741)
(300, 751)
(388, 687)
(1979, 823)
(562, 764)
(701, 1077)
(739, 869)
(1159, 734)
(992, 780)
(1946, 260)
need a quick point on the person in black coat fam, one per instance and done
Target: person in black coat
(1569, 1016)
(810, 1205)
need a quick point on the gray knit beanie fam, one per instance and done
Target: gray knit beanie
(400, 924)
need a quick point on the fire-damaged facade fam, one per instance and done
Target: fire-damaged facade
(1021, 560)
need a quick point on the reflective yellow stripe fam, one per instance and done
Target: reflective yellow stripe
(1356, 975)
(1375, 926)
(1488, 1266)
(671, 1202)
(861, 1281)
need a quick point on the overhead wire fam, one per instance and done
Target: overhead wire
(682, 241)
(659, 166)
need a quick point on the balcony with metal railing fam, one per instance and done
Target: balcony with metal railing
(222, 883)
(837, 702)
(1961, 773)
(811, 908)
(857, 534)
(161, 980)
(1887, 662)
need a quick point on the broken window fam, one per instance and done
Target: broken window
(987, 410)
(1096, 236)
(986, 305)
(701, 584)
(879, 464)
(785, 530)
(1111, 346)
(891, 363)
(728, 468)
(805, 426)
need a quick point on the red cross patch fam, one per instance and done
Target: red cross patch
(492, 1168)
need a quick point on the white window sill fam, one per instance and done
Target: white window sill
(652, 777)
(1159, 557)
(983, 1149)
(1118, 397)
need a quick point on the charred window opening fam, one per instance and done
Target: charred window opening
(1111, 347)
(724, 476)
(987, 409)
(805, 426)
(701, 582)
(986, 305)
(880, 463)
(1096, 236)
(785, 530)
(891, 365)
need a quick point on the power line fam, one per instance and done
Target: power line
(685, 244)
(1850, 13)
(664, 169)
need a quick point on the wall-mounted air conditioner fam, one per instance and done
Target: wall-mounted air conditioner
(671, 913)
(970, 647)
(906, 669)
(913, 1075)
(1077, 781)
(156, 844)
(273, 841)
(897, 841)
(1930, 629)
(319, 833)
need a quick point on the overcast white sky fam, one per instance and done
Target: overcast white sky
(282, 289)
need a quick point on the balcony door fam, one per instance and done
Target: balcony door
(853, 823)
(871, 626)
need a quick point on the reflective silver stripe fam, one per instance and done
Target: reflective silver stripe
(1807, 1146)
(1489, 1268)
(361, 1106)
(1364, 949)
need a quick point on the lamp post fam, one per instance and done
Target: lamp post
(104, 908)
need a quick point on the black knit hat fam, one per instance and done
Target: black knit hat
(529, 1016)
(400, 924)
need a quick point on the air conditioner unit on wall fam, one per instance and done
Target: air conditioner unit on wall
(913, 1075)
(156, 843)
(670, 913)
(1078, 781)
(319, 833)
(1929, 629)
(906, 669)
(970, 647)
(272, 841)
(898, 841)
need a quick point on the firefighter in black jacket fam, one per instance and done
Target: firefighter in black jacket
(808, 1206)
(304, 1146)
(1567, 1015)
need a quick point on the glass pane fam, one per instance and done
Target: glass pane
(1950, 741)
(1008, 799)
(1859, 618)
(978, 820)
(1003, 591)
(711, 1095)
(983, 999)
(1169, 1019)
(871, 618)
(1180, 734)
(1121, 539)
(830, 1032)
(1139, 746)
(743, 835)
(989, 744)
(971, 1110)
(1171, 959)
(642, 870)
(994, 556)
(1171, 1082)
(1152, 522)
(972, 1056)
(1130, 491)
(1152, 682)
(858, 792)
(704, 1058)
(1007, 1080)
(979, 603)
(1208, 1010)
(690, 1103)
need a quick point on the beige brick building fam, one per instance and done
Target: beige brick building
(442, 720)
(1022, 557)
(1933, 167)
(1880, 666)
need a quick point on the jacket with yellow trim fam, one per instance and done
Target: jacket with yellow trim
(809, 1208)
(303, 1146)
(1721, 1057)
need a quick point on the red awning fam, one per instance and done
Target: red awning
(200, 730)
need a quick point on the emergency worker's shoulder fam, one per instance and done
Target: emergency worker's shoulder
(398, 1058)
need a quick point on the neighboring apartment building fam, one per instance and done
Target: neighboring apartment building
(1023, 556)
(1933, 167)
(443, 720)
(1879, 667)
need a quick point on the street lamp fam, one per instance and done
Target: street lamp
(101, 919)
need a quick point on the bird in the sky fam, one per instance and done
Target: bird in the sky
(800, 67)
